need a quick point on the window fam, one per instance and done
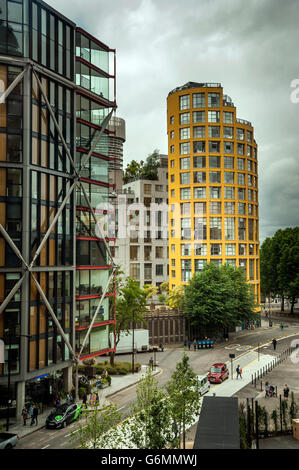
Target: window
(148, 271)
(249, 136)
(173, 274)
(240, 149)
(250, 209)
(241, 178)
(242, 249)
(147, 253)
(199, 132)
(240, 134)
(229, 163)
(185, 178)
(215, 207)
(199, 162)
(215, 228)
(199, 116)
(214, 177)
(249, 180)
(249, 165)
(213, 116)
(159, 269)
(214, 162)
(185, 193)
(251, 270)
(241, 164)
(173, 263)
(186, 270)
(229, 228)
(228, 118)
(215, 192)
(229, 207)
(214, 146)
(217, 262)
(147, 189)
(185, 148)
(214, 131)
(229, 193)
(199, 100)
(172, 193)
(185, 208)
(242, 229)
(199, 265)
(171, 119)
(185, 133)
(199, 147)
(250, 229)
(213, 100)
(172, 134)
(241, 193)
(172, 149)
(159, 187)
(228, 147)
(200, 228)
(185, 163)
(172, 248)
(241, 208)
(184, 118)
(134, 253)
(200, 208)
(231, 262)
(200, 249)
(216, 249)
(251, 250)
(228, 132)
(243, 264)
(159, 251)
(199, 192)
(229, 177)
(186, 249)
(184, 102)
(230, 249)
(171, 163)
(199, 177)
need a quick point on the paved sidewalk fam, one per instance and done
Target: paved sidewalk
(119, 382)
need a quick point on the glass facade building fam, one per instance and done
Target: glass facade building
(57, 92)
(213, 184)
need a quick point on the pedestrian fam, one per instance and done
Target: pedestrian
(24, 415)
(281, 326)
(286, 391)
(31, 414)
(198, 344)
(185, 345)
(274, 342)
(239, 371)
(84, 401)
(151, 363)
(69, 398)
(189, 345)
(194, 345)
(206, 342)
(35, 414)
(161, 347)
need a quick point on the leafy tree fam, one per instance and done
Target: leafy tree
(147, 170)
(164, 287)
(220, 297)
(175, 299)
(151, 291)
(184, 399)
(150, 429)
(94, 425)
(132, 171)
(130, 308)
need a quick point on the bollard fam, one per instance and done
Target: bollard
(255, 379)
(261, 386)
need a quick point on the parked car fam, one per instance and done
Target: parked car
(218, 373)
(203, 384)
(63, 415)
(7, 440)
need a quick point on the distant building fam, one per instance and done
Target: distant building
(142, 228)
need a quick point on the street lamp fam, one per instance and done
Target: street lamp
(232, 356)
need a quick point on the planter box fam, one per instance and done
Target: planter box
(295, 425)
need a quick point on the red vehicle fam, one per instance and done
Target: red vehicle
(218, 373)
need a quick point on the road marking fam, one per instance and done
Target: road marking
(46, 446)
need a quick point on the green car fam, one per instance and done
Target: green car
(63, 415)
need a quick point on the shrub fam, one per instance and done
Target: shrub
(81, 391)
(89, 362)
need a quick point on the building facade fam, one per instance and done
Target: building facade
(142, 228)
(55, 107)
(213, 185)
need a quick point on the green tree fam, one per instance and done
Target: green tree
(220, 297)
(176, 296)
(184, 399)
(151, 291)
(151, 426)
(132, 172)
(94, 425)
(147, 170)
(130, 308)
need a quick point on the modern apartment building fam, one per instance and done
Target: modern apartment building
(56, 104)
(213, 184)
(142, 234)
(117, 138)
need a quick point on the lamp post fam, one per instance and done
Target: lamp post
(232, 356)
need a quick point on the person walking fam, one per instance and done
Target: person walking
(31, 414)
(274, 342)
(24, 415)
(35, 414)
(286, 391)
(239, 371)
(194, 345)
(189, 345)
(69, 398)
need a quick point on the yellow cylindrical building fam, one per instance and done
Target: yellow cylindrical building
(213, 185)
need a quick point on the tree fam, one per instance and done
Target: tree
(130, 308)
(132, 172)
(220, 297)
(184, 399)
(151, 291)
(151, 426)
(97, 422)
(147, 170)
(175, 299)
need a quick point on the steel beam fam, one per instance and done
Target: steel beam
(11, 294)
(12, 86)
(12, 245)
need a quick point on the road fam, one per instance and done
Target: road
(200, 361)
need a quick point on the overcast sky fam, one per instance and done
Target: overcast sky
(250, 47)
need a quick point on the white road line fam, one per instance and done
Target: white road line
(46, 446)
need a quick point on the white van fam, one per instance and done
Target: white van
(203, 384)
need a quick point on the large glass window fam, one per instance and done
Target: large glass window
(200, 228)
(215, 228)
(229, 228)
(199, 116)
(198, 100)
(199, 162)
(184, 102)
(215, 192)
(213, 116)
(186, 270)
(185, 133)
(185, 178)
(200, 192)
(199, 132)
(199, 265)
(185, 118)
(199, 177)
(185, 148)
(185, 163)
(214, 162)
(213, 100)
(199, 147)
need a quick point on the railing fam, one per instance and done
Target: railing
(242, 121)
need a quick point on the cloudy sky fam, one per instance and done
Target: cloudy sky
(250, 47)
